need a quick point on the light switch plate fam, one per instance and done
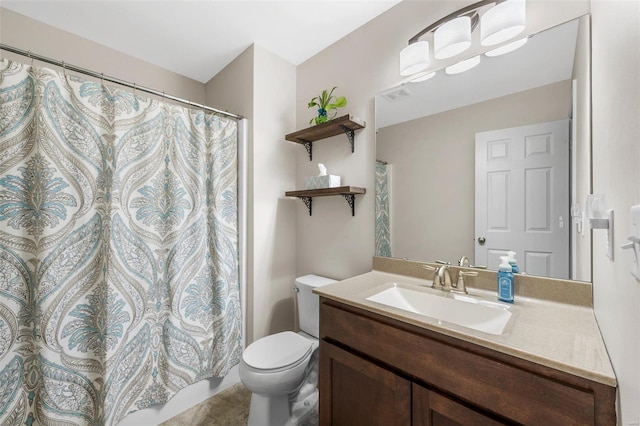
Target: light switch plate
(610, 234)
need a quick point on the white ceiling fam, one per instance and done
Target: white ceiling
(199, 38)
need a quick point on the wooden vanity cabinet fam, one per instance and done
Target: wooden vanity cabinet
(433, 409)
(379, 371)
(363, 393)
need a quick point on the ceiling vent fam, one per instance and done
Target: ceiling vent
(397, 94)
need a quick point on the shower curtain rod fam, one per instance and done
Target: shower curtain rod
(103, 77)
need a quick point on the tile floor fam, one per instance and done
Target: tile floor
(228, 408)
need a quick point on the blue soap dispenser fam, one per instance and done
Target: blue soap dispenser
(505, 280)
(512, 261)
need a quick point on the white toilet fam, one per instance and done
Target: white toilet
(273, 367)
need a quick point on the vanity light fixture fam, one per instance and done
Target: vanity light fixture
(463, 66)
(499, 21)
(423, 76)
(507, 48)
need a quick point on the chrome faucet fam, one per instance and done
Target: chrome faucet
(460, 286)
(441, 277)
(466, 263)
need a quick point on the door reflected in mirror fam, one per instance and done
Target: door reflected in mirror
(467, 158)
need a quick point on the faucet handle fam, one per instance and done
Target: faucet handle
(461, 286)
(436, 277)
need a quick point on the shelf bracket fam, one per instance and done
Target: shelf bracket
(351, 201)
(309, 147)
(350, 135)
(307, 202)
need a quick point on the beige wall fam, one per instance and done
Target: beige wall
(25, 33)
(331, 242)
(365, 62)
(616, 173)
(261, 86)
(274, 215)
(433, 169)
(232, 88)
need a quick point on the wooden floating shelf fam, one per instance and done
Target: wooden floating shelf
(348, 192)
(346, 124)
(322, 192)
(326, 130)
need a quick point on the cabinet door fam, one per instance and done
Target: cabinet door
(354, 391)
(433, 409)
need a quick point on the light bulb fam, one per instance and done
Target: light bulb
(510, 47)
(452, 38)
(414, 58)
(502, 22)
(463, 66)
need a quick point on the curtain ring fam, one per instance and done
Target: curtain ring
(134, 89)
(101, 79)
(64, 69)
(30, 57)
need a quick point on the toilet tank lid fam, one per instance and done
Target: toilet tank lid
(277, 350)
(314, 280)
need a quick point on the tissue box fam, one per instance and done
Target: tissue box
(326, 181)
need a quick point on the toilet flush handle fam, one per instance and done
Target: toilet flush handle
(296, 289)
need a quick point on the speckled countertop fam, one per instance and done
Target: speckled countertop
(563, 336)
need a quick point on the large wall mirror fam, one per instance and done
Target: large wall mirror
(493, 159)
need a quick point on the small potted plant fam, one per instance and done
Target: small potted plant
(325, 103)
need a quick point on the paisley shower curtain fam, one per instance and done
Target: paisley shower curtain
(118, 249)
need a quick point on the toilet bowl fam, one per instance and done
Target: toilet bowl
(273, 367)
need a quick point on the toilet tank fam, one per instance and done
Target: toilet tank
(309, 303)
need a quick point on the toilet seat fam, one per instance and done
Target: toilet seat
(277, 352)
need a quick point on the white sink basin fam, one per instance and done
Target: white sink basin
(467, 311)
